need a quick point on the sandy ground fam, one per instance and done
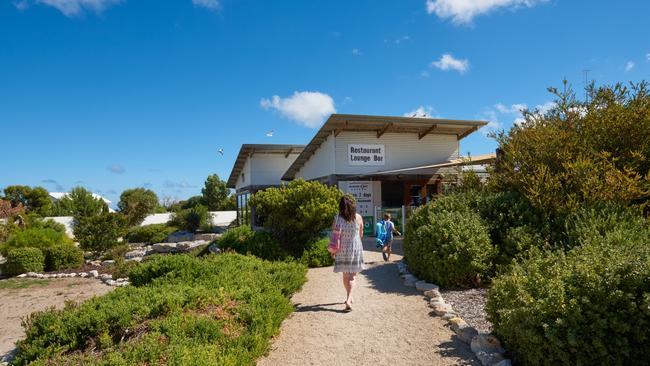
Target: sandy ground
(39, 295)
(390, 324)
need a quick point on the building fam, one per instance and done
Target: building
(259, 166)
(385, 162)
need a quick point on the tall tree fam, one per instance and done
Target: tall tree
(34, 200)
(215, 193)
(80, 203)
(136, 204)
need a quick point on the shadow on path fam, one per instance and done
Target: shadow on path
(320, 307)
(384, 277)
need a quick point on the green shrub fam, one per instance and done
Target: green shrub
(192, 219)
(518, 241)
(151, 234)
(99, 233)
(22, 260)
(317, 255)
(448, 244)
(135, 204)
(297, 214)
(244, 240)
(37, 238)
(63, 257)
(180, 310)
(122, 268)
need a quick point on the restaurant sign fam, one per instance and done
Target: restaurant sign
(362, 154)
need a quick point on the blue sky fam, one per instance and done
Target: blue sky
(116, 94)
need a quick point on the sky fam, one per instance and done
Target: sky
(118, 94)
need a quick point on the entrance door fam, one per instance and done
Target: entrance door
(415, 193)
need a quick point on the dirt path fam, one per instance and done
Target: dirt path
(21, 297)
(390, 324)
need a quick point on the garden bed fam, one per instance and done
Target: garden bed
(470, 305)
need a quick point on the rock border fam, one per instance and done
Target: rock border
(104, 277)
(485, 346)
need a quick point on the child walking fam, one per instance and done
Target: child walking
(388, 242)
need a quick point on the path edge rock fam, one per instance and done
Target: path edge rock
(486, 346)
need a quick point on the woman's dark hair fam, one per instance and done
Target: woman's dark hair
(347, 208)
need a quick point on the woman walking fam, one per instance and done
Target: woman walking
(349, 258)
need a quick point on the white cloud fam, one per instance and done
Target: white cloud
(21, 4)
(463, 11)
(71, 8)
(448, 62)
(647, 56)
(116, 168)
(629, 66)
(208, 4)
(356, 52)
(422, 112)
(306, 107)
(515, 111)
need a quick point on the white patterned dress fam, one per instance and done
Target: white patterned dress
(349, 258)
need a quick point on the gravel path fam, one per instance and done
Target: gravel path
(21, 297)
(470, 305)
(390, 324)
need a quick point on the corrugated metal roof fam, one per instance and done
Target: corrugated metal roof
(249, 149)
(337, 123)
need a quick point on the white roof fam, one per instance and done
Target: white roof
(60, 195)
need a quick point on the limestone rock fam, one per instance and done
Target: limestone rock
(504, 362)
(207, 236)
(425, 286)
(135, 259)
(108, 262)
(164, 247)
(105, 277)
(135, 253)
(111, 282)
(83, 274)
(32, 274)
(449, 315)
(186, 246)
(410, 280)
(486, 343)
(489, 359)
(214, 248)
(93, 273)
(179, 236)
(441, 308)
(433, 293)
(22, 275)
(464, 331)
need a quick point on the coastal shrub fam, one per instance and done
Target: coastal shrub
(22, 260)
(122, 268)
(100, 233)
(450, 247)
(317, 255)
(244, 240)
(41, 238)
(589, 306)
(151, 234)
(63, 257)
(192, 219)
(518, 241)
(297, 213)
(179, 310)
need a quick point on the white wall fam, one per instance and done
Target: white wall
(246, 174)
(402, 150)
(321, 163)
(267, 169)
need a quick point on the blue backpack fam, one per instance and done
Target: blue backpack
(381, 233)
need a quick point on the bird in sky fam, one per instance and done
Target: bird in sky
(269, 134)
(220, 151)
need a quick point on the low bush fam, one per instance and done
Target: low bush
(192, 219)
(317, 255)
(22, 260)
(122, 268)
(41, 238)
(116, 252)
(244, 240)
(589, 306)
(448, 244)
(151, 234)
(63, 257)
(180, 310)
(297, 214)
